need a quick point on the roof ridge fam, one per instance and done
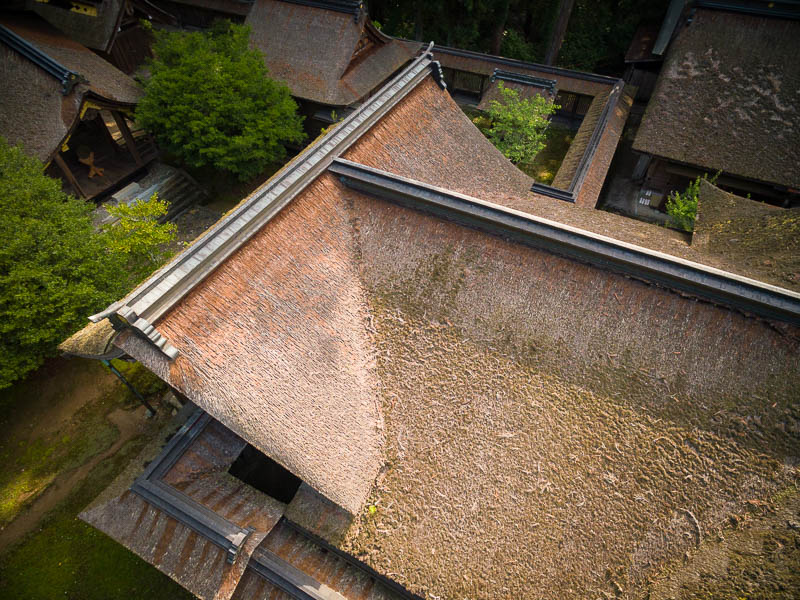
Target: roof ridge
(672, 272)
(39, 57)
(168, 285)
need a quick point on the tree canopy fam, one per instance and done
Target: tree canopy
(55, 269)
(597, 35)
(518, 125)
(209, 101)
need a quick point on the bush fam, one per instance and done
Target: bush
(518, 126)
(55, 269)
(209, 102)
(682, 207)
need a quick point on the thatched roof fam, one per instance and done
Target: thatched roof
(95, 31)
(172, 546)
(323, 55)
(93, 341)
(763, 239)
(727, 98)
(476, 398)
(34, 111)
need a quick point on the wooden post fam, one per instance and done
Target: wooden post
(126, 133)
(68, 174)
(108, 135)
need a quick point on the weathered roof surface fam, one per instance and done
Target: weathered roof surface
(763, 239)
(93, 341)
(34, 112)
(304, 395)
(313, 51)
(190, 559)
(485, 64)
(541, 418)
(95, 31)
(428, 138)
(537, 410)
(728, 98)
(569, 166)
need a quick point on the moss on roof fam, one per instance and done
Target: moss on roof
(728, 98)
(761, 238)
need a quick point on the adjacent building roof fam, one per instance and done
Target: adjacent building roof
(400, 322)
(95, 30)
(326, 56)
(727, 98)
(35, 112)
(764, 238)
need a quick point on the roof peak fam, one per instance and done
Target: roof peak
(167, 286)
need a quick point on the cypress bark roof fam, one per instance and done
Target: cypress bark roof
(95, 31)
(324, 56)
(34, 111)
(489, 375)
(727, 98)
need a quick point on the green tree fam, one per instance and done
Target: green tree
(139, 238)
(518, 125)
(55, 269)
(682, 206)
(209, 102)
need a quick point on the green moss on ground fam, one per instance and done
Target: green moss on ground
(30, 459)
(68, 559)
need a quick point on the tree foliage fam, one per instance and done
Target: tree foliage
(209, 101)
(682, 206)
(598, 32)
(138, 238)
(518, 125)
(55, 269)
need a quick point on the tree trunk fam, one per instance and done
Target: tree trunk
(559, 30)
(501, 16)
(419, 16)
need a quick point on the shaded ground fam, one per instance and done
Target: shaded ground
(546, 164)
(66, 432)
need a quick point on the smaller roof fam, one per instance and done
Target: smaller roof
(93, 341)
(641, 48)
(727, 98)
(761, 238)
(36, 112)
(325, 55)
(93, 30)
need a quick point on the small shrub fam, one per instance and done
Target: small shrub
(518, 126)
(682, 207)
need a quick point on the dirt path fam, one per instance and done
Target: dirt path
(129, 423)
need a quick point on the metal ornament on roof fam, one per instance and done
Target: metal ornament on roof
(540, 82)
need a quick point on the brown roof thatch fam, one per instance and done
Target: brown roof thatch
(325, 56)
(93, 341)
(95, 31)
(764, 239)
(183, 554)
(34, 111)
(428, 138)
(304, 395)
(727, 98)
(493, 413)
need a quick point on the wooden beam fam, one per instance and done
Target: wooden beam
(68, 174)
(126, 133)
(109, 137)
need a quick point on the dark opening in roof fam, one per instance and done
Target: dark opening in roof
(261, 472)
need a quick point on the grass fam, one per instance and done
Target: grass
(547, 163)
(29, 462)
(66, 558)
